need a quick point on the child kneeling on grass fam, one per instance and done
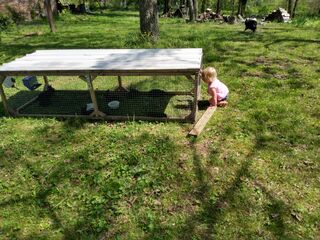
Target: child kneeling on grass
(217, 90)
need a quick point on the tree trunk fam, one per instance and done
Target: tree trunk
(149, 18)
(123, 4)
(195, 8)
(242, 7)
(47, 4)
(290, 7)
(167, 7)
(191, 11)
(294, 8)
(239, 8)
(204, 4)
(218, 10)
(183, 3)
(232, 7)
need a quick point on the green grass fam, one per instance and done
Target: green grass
(254, 173)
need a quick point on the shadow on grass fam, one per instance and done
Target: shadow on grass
(211, 212)
(277, 209)
(296, 40)
(78, 163)
(47, 185)
(214, 211)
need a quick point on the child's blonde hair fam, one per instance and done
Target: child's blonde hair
(209, 73)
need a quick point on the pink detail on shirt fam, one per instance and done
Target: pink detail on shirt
(221, 89)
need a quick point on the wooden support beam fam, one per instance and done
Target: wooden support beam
(121, 87)
(120, 82)
(26, 104)
(197, 92)
(199, 126)
(96, 112)
(46, 83)
(190, 78)
(3, 96)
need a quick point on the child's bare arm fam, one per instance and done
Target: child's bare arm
(213, 101)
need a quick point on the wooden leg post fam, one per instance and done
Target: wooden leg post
(196, 94)
(199, 86)
(120, 87)
(3, 96)
(46, 83)
(120, 81)
(96, 112)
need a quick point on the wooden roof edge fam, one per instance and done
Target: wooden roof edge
(100, 72)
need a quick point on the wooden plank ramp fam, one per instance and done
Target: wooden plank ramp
(199, 126)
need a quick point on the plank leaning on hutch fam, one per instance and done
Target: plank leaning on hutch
(92, 63)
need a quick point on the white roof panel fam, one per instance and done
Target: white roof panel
(106, 61)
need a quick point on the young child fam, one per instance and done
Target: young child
(217, 90)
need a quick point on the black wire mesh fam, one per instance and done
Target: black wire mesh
(153, 97)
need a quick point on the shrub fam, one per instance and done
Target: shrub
(263, 11)
(5, 22)
(33, 14)
(16, 16)
(93, 5)
(306, 21)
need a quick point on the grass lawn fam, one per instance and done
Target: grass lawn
(254, 173)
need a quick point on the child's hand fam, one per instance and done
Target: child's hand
(212, 102)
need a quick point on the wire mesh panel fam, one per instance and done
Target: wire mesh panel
(125, 97)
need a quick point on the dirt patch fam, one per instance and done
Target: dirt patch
(281, 63)
(212, 171)
(254, 74)
(280, 76)
(203, 148)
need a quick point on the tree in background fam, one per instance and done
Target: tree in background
(167, 7)
(256, 7)
(290, 7)
(47, 4)
(204, 5)
(242, 7)
(149, 18)
(294, 8)
(123, 3)
(218, 9)
(232, 7)
(183, 3)
(193, 9)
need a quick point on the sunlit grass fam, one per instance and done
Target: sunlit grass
(252, 174)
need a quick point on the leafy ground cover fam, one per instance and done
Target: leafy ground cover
(253, 173)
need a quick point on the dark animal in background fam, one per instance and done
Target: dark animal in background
(251, 23)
